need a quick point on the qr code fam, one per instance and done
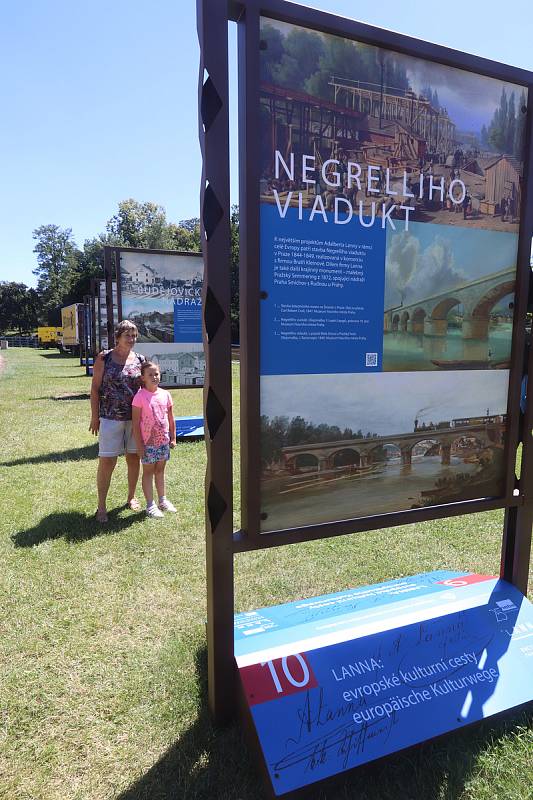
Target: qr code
(371, 360)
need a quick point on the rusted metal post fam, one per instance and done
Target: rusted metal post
(212, 18)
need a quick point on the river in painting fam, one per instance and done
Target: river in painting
(392, 487)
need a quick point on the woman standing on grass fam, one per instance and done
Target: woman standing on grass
(116, 378)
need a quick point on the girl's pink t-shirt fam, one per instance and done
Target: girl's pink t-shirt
(154, 415)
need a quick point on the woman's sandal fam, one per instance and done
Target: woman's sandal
(133, 504)
(101, 517)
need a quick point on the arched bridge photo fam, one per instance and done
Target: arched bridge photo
(429, 316)
(358, 456)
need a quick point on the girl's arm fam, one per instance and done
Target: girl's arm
(136, 426)
(172, 427)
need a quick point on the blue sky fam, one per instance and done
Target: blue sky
(433, 258)
(364, 399)
(99, 103)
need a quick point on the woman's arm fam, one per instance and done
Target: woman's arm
(98, 374)
(136, 427)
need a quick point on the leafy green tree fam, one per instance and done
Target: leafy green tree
(498, 125)
(281, 432)
(192, 225)
(271, 52)
(506, 129)
(510, 128)
(19, 307)
(273, 436)
(140, 225)
(57, 264)
(325, 433)
(89, 265)
(186, 235)
(520, 128)
(376, 62)
(302, 51)
(366, 64)
(297, 432)
(145, 225)
(340, 57)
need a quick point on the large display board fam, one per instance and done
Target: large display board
(390, 197)
(69, 322)
(372, 169)
(161, 292)
(102, 307)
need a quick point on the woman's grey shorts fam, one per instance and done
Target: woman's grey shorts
(115, 438)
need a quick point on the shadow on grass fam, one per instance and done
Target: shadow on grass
(65, 396)
(81, 374)
(207, 763)
(89, 452)
(54, 355)
(71, 396)
(73, 527)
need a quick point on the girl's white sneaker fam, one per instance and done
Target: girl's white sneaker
(153, 511)
(166, 505)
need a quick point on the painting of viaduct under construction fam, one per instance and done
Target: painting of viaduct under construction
(332, 98)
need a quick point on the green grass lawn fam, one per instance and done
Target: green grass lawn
(103, 663)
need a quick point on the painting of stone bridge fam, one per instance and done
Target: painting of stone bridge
(430, 315)
(449, 299)
(364, 444)
(475, 435)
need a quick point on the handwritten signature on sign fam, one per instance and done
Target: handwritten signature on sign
(341, 744)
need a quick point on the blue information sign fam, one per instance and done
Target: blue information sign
(323, 311)
(336, 681)
(188, 318)
(189, 427)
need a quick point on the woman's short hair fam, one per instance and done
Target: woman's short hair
(125, 325)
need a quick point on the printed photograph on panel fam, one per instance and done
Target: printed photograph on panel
(102, 313)
(449, 298)
(162, 295)
(180, 364)
(102, 317)
(358, 445)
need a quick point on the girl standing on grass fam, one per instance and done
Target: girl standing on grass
(154, 429)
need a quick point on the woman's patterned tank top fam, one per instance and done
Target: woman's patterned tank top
(119, 385)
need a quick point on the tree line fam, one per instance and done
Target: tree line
(305, 60)
(280, 432)
(506, 131)
(64, 271)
